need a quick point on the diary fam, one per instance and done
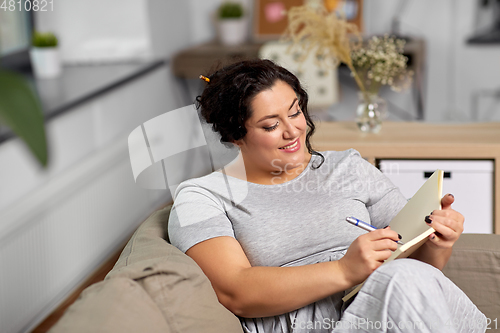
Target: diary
(410, 223)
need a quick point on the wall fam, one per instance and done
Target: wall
(477, 69)
(96, 30)
(81, 41)
(455, 69)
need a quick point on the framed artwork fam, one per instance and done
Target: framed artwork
(270, 19)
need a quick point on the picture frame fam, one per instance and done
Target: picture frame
(270, 20)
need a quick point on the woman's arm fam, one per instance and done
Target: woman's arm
(266, 291)
(448, 224)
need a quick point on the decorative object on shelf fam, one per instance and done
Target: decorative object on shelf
(322, 83)
(232, 23)
(20, 110)
(44, 55)
(370, 112)
(333, 40)
(381, 62)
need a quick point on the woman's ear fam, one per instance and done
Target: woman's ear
(237, 143)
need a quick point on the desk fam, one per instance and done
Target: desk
(412, 140)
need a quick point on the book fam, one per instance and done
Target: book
(409, 222)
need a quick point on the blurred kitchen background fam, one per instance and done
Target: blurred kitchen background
(124, 63)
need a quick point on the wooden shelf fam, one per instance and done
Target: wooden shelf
(202, 59)
(415, 140)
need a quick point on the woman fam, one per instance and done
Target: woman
(269, 230)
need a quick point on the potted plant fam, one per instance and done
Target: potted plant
(45, 55)
(232, 23)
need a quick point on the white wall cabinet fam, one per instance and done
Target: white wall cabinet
(470, 181)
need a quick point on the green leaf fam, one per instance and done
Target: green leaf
(21, 111)
(230, 10)
(47, 39)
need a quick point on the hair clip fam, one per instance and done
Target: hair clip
(206, 79)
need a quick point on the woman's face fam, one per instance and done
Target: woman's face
(276, 133)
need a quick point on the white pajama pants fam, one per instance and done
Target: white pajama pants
(410, 296)
(405, 295)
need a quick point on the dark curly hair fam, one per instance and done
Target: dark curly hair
(226, 100)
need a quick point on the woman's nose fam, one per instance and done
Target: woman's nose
(290, 131)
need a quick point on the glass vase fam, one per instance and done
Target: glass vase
(370, 112)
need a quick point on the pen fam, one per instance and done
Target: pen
(366, 226)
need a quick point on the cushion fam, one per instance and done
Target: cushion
(173, 280)
(474, 267)
(114, 305)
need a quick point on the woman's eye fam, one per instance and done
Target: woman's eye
(269, 129)
(296, 114)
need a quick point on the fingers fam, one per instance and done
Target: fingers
(381, 256)
(381, 242)
(447, 200)
(383, 234)
(449, 217)
(448, 225)
(368, 252)
(443, 228)
(375, 254)
(385, 244)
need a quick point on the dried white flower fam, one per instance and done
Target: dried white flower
(381, 62)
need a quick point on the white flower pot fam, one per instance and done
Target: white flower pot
(46, 62)
(233, 31)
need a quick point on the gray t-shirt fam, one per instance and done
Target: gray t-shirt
(299, 222)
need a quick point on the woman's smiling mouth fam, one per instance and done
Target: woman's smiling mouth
(292, 147)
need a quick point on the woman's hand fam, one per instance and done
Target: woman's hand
(447, 222)
(367, 253)
(448, 225)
